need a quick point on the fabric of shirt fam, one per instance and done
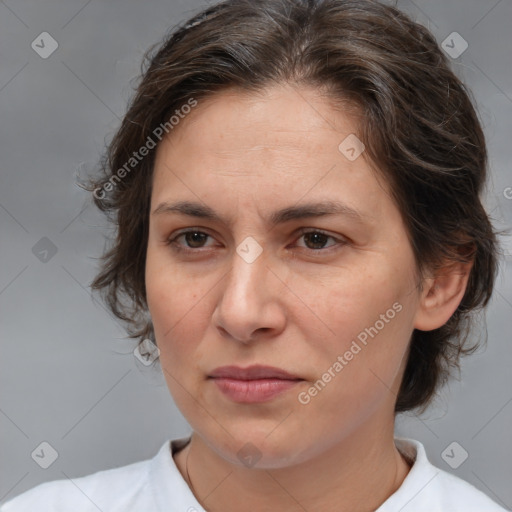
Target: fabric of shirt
(156, 485)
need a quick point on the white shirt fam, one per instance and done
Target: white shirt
(156, 485)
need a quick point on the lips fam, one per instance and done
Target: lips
(254, 384)
(252, 373)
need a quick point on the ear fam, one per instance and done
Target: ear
(441, 296)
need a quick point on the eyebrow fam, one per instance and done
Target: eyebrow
(308, 210)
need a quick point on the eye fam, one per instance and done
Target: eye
(193, 237)
(315, 240)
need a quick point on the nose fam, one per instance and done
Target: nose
(250, 306)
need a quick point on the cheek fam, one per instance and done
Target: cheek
(369, 315)
(178, 316)
(170, 292)
(174, 303)
(347, 302)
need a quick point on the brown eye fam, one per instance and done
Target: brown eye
(316, 240)
(194, 239)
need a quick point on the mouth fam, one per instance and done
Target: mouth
(255, 372)
(254, 384)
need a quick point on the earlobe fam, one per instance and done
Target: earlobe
(441, 296)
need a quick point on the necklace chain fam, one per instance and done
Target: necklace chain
(193, 490)
(188, 474)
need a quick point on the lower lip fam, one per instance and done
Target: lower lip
(253, 391)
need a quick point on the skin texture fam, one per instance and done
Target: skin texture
(298, 306)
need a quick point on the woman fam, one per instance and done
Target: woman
(296, 187)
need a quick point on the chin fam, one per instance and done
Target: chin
(260, 448)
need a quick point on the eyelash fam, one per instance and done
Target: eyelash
(304, 231)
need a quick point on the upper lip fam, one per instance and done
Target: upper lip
(252, 373)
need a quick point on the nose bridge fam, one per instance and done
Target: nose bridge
(247, 275)
(246, 301)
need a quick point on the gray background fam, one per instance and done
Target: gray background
(67, 375)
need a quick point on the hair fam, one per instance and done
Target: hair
(416, 119)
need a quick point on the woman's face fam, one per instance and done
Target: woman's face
(333, 307)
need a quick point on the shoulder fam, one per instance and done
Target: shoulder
(428, 488)
(457, 494)
(103, 490)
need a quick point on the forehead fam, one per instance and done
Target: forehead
(278, 117)
(283, 141)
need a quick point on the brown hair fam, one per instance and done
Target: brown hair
(417, 122)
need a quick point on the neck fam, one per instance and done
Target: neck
(359, 473)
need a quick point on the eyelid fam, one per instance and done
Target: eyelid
(339, 239)
(172, 239)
